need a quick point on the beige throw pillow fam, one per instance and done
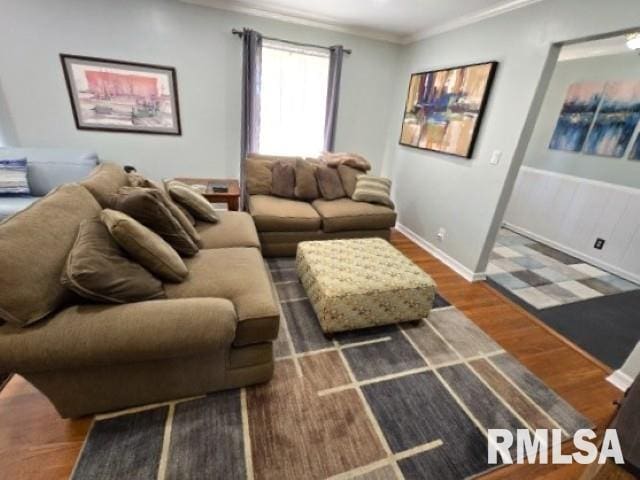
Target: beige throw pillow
(284, 180)
(192, 200)
(373, 190)
(329, 183)
(97, 269)
(333, 159)
(258, 176)
(349, 178)
(144, 246)
(306, 184)
(147, 206)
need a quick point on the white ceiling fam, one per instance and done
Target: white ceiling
(596, 48)
(393, 20)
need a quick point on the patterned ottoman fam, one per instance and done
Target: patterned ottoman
(361, 283)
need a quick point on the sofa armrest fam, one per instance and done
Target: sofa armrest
(87, 335)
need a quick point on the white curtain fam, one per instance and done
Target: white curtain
(293, 99)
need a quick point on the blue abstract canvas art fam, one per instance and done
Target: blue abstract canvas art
(616, 120)
(635, 150)
(578, 110)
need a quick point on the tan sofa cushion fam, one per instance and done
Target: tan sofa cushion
(344, 214)
(234, 229)
(148, 206)
(89, 335)
(105, 180)
(34, 245)
(273, 214)
(99, 270)
(145, 246)
(239, 275)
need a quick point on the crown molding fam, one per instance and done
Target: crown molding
(469, 19)
(298, 18)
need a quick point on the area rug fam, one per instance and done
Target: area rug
(409, 401)
(544, 277)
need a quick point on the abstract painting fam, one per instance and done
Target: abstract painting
(111, 95)
(635, 150)
(578, 110)
(616, 120)
(444, 108)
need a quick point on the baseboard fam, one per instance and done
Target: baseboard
(582, 256)
(620, 380)
(449, 261)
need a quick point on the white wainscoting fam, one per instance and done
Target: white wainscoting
(570, 213)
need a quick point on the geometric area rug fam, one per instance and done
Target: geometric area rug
(407, 401)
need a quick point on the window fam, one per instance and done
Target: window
(293, 96)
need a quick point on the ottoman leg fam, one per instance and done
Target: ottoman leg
(328, 335)
(415, 323)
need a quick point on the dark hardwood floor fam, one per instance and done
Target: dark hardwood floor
(35, 443)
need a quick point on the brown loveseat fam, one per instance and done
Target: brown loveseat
(214, 330)
(282, 223)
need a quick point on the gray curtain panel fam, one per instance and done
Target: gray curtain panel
(249, 134)
(333, 94)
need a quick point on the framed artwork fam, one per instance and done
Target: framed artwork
(116, 96)
(616, 119)
(578, 110)
(635, 150)
(444, 108)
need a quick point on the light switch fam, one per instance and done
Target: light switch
(495, 157)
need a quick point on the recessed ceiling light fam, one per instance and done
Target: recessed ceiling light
(633, 41)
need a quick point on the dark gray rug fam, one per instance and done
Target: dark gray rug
(412, 401)
(607, 327)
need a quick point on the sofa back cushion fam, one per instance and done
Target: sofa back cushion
(35, 243)
(104, 181)
(373, 189)
(349, 178)
(47, 168)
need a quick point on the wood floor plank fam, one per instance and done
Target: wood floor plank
(36, 443)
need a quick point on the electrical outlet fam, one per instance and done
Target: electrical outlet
(441, 233)
(599, 245)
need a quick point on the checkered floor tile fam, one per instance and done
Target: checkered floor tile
(544, 277)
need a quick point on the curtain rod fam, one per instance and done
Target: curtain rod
(240, 33)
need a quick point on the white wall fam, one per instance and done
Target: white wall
(570, 213)
(198, 42)
(619, 171)
(468, 197)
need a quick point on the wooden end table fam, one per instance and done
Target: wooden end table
(231, 197)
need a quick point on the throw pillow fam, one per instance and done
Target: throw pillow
(349, 178)
(97, 269)
(193, 201)
(373, 190)
(329, 183)
(284, 180)
(144, 246)
(13, 177)
(182, 215)
(259, 177)
(306, 184)
(147, 206)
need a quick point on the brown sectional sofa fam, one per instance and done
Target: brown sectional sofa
(213, 331)
(282, 223)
